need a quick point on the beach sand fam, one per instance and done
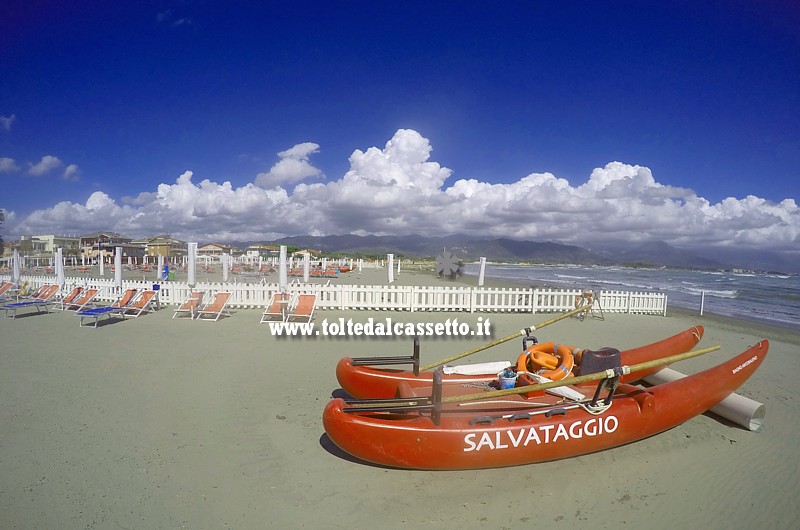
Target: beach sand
(162, 423)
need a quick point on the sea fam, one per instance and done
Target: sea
(769, 298)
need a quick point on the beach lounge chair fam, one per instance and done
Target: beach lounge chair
(66, 300)
(43, 298)
(304, 309)
(123, 303)
(143, 303)
(127, 297)
(277, 308)
(84, 301)
(5, 290)
(214, 310)
(191, 305)
(95, 313)
(32, 295)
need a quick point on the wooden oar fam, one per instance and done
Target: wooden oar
(428, 402)
(521, 333)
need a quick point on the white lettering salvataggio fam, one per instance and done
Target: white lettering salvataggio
(503, 439)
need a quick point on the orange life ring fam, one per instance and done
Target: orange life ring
(587, 295)
(547, 359)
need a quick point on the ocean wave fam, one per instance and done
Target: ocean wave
(570, 277)
(731, 293)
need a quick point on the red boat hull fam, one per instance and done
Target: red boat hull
(412, 440)
(370, 383)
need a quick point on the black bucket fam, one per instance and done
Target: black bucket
(593, 361)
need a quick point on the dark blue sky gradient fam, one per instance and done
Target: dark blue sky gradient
(706, 94)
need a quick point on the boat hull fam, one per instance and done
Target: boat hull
(368, 382)
(412, 440)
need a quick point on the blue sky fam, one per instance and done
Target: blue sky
(369, 117)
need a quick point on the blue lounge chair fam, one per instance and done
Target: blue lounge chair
(40, 302)
(125, 303)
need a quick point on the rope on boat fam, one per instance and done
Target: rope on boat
(595, 410)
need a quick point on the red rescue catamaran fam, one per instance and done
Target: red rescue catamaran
(452, 429)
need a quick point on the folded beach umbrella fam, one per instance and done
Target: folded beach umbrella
(190, 270)
(118, 268)
(15, 268)
(306, 266)
(59, 267)
(390, 266)
(283, 279)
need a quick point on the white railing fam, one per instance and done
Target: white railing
(383, 297)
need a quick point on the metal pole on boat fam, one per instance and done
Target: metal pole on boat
(521, 333)
(702, 301)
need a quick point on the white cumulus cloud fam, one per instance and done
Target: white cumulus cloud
(293, 166)
(47, 164)
(398, 189)
(8, 165)
(72, 173)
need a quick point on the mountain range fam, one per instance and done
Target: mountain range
(470, 248)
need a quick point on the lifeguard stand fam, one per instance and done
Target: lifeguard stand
(591, 301)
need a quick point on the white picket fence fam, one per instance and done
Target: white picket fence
(382, 297)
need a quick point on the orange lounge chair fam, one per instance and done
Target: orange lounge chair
(44, 294)
(5, 287)
(126, 298)
(191, 305)
(143, 303)
(277, 308)
(304, 309)
(214, 310)
(71, 297)
(33, 295)
(85, 300)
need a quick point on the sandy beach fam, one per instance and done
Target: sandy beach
(161, 423)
